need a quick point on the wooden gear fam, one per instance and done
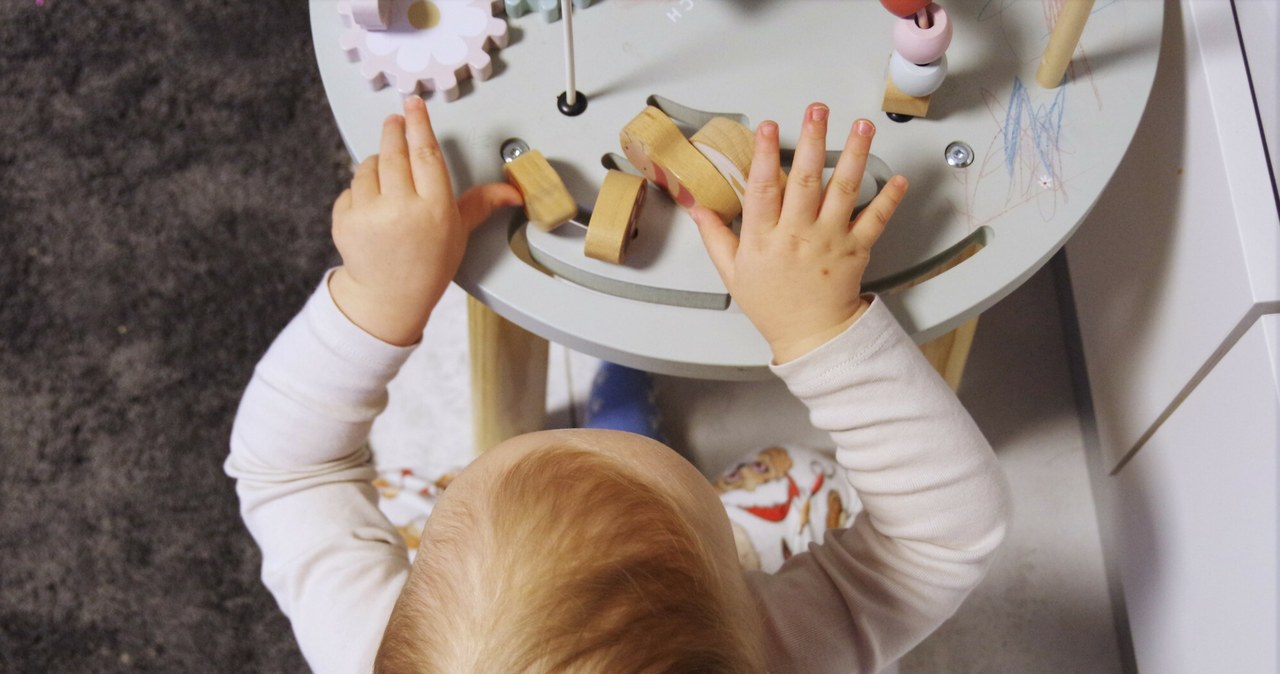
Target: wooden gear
(547, 201)
(613, 219)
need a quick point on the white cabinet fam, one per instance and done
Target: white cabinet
(1174, 274)
(1179, 257)
(1197, 522)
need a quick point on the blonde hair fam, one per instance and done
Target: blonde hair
(572, 565)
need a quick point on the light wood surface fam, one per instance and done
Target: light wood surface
(1062, 42)
(508, 377)
(547, 201)
(656, 147)
(728, 145)
(897, 102)
(613, 218)
(949, 352)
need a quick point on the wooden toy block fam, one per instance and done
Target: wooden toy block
(654, 145)
(897, 103)
(613, 219)
(547, 201)
(729, 146)
(1062, 42)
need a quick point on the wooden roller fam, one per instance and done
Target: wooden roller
(729, 146)
(654, 145)
(547, 201)
(613, 219)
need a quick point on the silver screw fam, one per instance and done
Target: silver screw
(959, 154)
(513, 148)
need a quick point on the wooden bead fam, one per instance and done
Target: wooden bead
(923, 45)
(904, 8)
(547, 201)
(654, 145)
(917, 80)
(613, 219)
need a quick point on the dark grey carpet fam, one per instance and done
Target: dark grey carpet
(166, 172)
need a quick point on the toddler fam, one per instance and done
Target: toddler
(603, 551)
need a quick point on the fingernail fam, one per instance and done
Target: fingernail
(769, 129)
(864, 128)
(818, 113)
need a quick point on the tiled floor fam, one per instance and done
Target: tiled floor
(1043, 608)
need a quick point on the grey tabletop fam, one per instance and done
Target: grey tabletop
(1040, 157)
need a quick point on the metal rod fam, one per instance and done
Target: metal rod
(571, 91)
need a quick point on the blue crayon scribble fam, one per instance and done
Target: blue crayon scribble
(1043, 125)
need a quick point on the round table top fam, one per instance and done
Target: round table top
(1041, 157)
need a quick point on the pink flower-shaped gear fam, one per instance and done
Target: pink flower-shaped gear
(428, 44)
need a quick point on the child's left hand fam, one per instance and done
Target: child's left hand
(400, 232)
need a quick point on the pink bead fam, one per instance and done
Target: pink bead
(923, 45)
(904, 7)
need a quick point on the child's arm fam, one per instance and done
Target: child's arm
(936, 503)
(298, 454)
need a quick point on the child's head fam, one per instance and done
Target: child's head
(575, 551)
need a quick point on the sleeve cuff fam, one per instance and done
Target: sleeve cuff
(829, 365)
(346, 339)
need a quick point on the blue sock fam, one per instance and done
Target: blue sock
(623, 399)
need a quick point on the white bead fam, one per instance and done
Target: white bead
(923, 45)
(917, 80)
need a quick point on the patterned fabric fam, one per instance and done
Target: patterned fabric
(780, 500)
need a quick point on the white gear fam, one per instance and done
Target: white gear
(428, 45)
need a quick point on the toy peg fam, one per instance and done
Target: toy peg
(547, 201)
(1063, 41)
(918, 65)
(654, 145)
(613, 219)
(371, 14)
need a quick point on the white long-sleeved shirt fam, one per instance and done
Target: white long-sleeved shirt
(935, 501)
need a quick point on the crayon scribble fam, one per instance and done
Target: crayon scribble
(1038, 125)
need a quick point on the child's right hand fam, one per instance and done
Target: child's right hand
(797, 269)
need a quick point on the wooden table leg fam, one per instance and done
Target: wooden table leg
(949, 353)
(508, 377)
